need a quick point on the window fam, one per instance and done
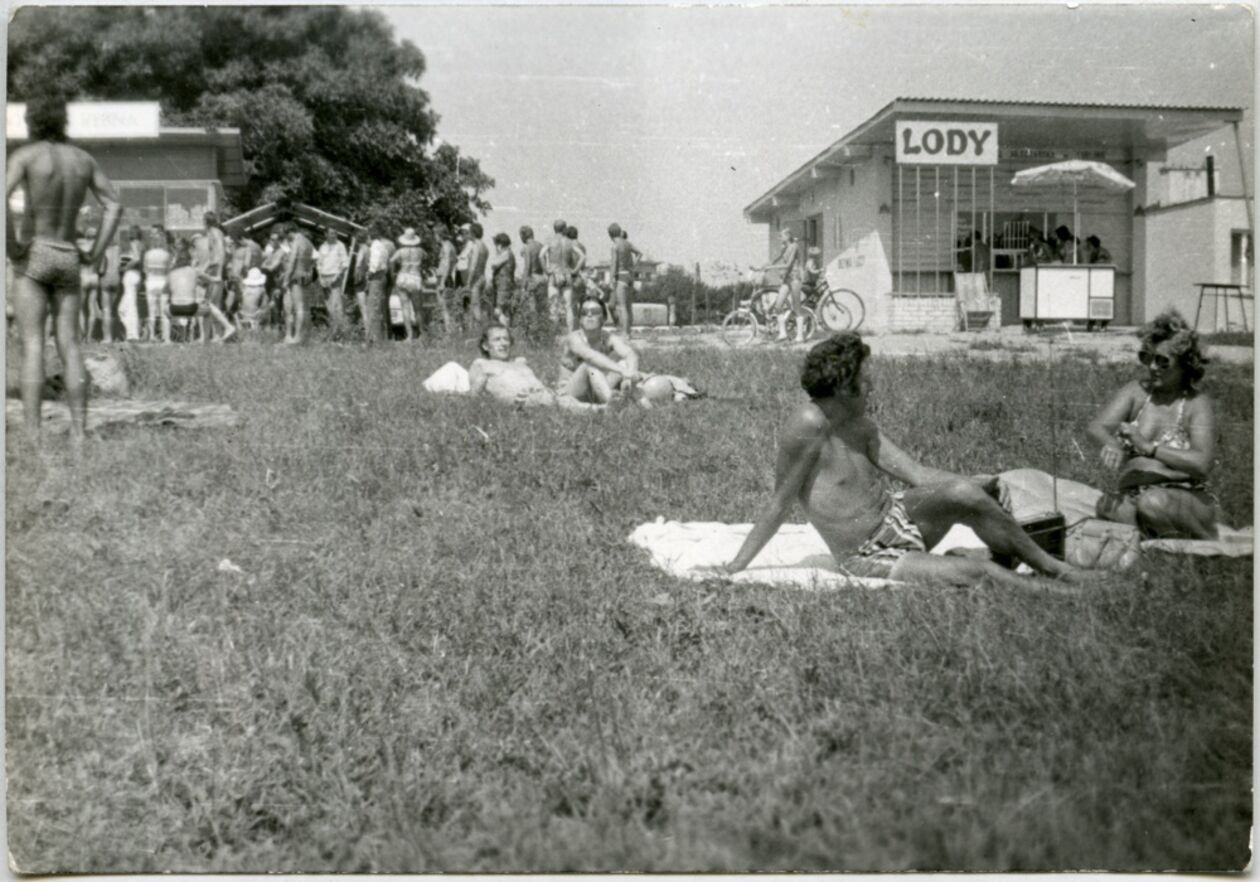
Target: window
(813, 231)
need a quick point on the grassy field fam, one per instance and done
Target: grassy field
(439, 652)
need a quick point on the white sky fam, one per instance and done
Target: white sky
(671, 120)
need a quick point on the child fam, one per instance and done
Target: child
(813, 272)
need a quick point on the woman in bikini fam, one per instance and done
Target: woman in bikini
(596, 363)
(1159, 432)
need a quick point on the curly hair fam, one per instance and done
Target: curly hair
(484, 343)
(46, 117)
(1171, 326)
(833, 365)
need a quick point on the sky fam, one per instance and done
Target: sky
(670, 120)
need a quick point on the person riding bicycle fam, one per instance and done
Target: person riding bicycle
(812, 275)
(789, 299)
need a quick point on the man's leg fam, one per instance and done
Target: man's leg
(475, 293)
(297, 293)
(570, 318)
(935, 508)
(780, 310)
(919, 566)
(30, 306)
(621, 302)
(65, 308)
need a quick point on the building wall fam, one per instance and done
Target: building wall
(848, 199)
(1186, 244)
(152, 162)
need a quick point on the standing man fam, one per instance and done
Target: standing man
(559, 260)
(297, 273)
(478, 264)
(533, 275)
(447, 284)
(215, 261)
(377, 301)
(54, 177)
(621, 271)
(332, 262)
(579, 252)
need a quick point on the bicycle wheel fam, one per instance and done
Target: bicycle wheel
(739, 328)
(808, 324)
(841, 310)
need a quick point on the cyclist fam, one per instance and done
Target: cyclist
(812, 275)
(789, 299)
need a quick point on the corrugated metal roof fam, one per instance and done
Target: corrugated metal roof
(1118, 104)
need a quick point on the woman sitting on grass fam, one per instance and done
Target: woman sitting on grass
(1160, 432)
(596, 364)
(512, 380)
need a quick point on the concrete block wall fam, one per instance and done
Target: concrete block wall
(918, 313)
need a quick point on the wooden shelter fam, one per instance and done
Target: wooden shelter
(273, 212)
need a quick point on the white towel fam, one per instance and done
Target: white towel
(450, 377)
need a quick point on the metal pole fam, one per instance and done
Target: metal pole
(1242, 170)
(953, 223)
(936, 232)
(918, 229)
(973, 218)
(897, 215)
(992, 228)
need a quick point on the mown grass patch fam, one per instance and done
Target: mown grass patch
(441, 654)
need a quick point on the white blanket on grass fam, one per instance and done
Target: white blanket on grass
(797, 557)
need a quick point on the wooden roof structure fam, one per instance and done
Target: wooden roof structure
(273, 212)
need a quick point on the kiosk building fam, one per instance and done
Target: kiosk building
(924, 187)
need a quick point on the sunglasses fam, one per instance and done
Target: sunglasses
(1163, 362)
(593, 311)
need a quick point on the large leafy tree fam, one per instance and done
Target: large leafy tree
(327, 101)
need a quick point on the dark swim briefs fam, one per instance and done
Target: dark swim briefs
(52, 263)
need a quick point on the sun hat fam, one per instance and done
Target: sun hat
(409, 237)
(255, 278)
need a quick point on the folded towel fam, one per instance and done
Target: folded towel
(450, 377)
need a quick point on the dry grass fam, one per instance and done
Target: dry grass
(441, 654)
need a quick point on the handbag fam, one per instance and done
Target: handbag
(1095, 544)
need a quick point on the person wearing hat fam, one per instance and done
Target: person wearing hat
(254, 306)
(331, 261)
(406, 266)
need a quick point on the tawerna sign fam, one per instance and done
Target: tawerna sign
(922, 142)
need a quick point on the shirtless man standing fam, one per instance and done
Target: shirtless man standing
(216, 262)
(297, 272)
(830, 459)
(54, 176)
(621, 266)
(558, 260)
(533, 276)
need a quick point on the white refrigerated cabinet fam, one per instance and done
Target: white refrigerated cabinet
(1067, 292)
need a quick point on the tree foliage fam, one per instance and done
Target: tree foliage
(327, 101)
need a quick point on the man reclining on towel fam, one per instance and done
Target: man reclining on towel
(830, 457)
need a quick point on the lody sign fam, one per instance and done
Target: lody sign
(921, 142)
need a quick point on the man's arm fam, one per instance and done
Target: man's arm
(894, 461)
(477, 377)
(627, 354)
(798, 454)
(105, 193)
(16, 176)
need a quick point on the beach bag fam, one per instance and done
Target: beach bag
(1095, 544)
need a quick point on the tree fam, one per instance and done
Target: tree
(327, 102)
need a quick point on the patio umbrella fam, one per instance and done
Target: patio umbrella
(1081, 174)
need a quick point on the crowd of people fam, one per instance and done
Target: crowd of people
(225, 284)
(1159, 431)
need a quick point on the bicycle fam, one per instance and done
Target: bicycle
(837, 309)
(745, 322)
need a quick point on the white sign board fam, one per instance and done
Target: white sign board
(922, 142)
(86, 120)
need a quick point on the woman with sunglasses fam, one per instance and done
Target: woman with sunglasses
(1159, 431)
(596, 363)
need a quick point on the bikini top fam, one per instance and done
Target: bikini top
(1176, 436)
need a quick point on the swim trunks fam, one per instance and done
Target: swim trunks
(895, 536)
(53, 264)
(408, 283)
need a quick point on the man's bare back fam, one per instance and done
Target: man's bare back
(54, 178)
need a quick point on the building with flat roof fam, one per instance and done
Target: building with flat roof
(930, 181)
(165, 175)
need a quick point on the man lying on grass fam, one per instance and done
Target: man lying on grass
(512, 380)
(830, 459)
